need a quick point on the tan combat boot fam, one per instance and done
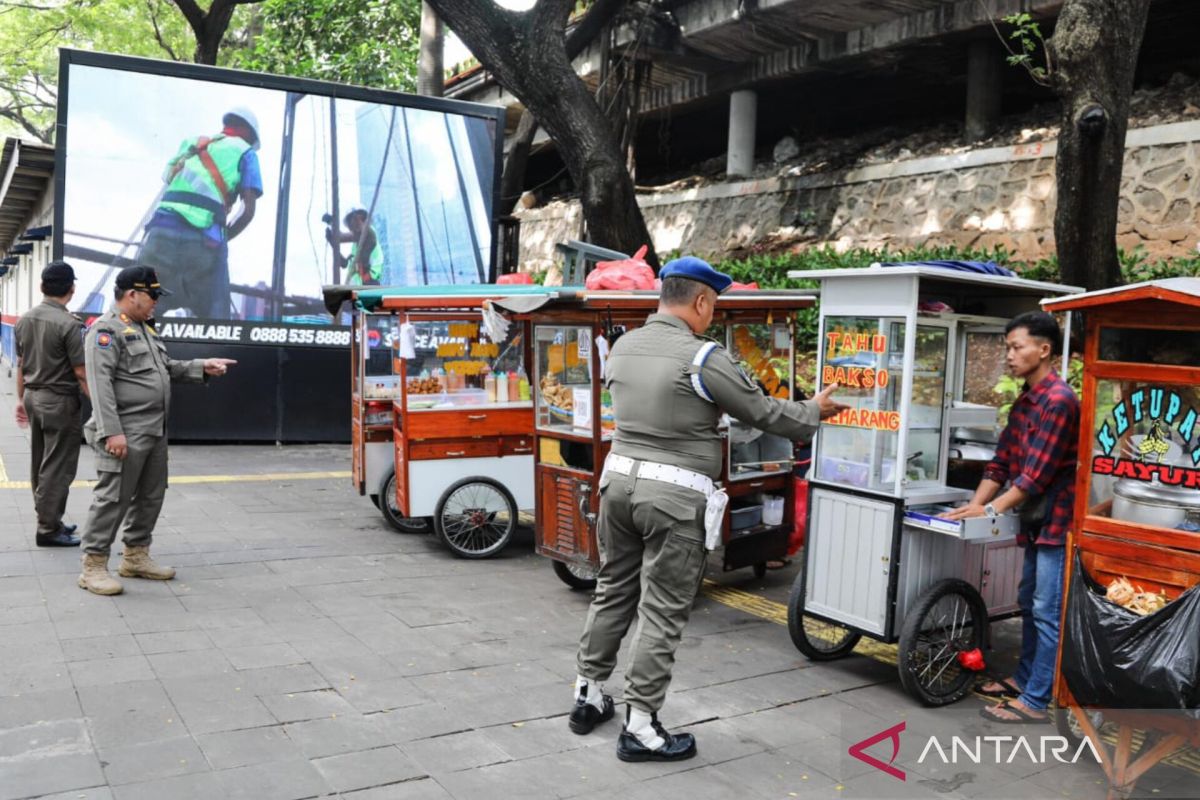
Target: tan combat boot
(95, 577)
(137, 563)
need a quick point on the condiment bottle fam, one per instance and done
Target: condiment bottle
(501, 388)
(489, 386)
(514, 386)
(523, 385)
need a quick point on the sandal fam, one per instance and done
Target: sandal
(1007, 689)
(1023, 716)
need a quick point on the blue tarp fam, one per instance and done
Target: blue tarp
(981, 267)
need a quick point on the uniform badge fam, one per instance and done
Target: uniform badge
(104, 340)
(125, 318)
(128, 330)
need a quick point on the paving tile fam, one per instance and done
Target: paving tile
(233, 713)
(124, 714)
(329, 737)
(455, 752)
(173, 642)
(264, 745)
(382, 695)
(418, 789)
(263, 655)
(150, 761)
(95, 647)
(42, 774)
(367, 768)
(197, 786)
(105, 671)
(282, 780)
(23, 709)
(190, 664)
(299, 706)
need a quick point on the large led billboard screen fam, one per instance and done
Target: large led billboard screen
(250, 192)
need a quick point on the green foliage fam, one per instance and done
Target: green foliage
(1029, 40)
(30, 35)
(365, 42)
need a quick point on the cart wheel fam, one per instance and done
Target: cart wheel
(387, 504)
(949, 618)
(817, 639)
(1069, 728)
(475, 517)
(760, 570)
(574, 574)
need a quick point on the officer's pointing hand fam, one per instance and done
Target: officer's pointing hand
(825, 401)
(217, 366)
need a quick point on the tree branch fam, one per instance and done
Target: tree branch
(590, 25)
(158, 37)
(192, 13)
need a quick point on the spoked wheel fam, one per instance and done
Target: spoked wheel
(574, 574)
(948, 619)
(817, 639)
(475, 517)
(392, 513)
(1069, 727)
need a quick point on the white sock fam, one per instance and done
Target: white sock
(639, 724)
(589, 691)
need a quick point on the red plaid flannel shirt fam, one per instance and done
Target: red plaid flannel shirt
(1038, 451)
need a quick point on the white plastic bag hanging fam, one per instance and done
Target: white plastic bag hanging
(714, 516)
(494, 322)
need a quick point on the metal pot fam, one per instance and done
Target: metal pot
(1153, 503)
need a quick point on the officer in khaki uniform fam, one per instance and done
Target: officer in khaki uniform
(669, 387)
(130, 375)
(50, 375)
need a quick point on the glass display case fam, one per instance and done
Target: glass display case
(452, 363)
(563, 376)
(765, 352)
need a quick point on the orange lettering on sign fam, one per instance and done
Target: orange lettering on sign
(867, 418)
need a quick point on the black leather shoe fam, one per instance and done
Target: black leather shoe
(61, 539)
(676, 747)
(586, 716)
(70, 528)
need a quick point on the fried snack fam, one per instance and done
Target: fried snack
(1122, 592)
(431, 385)
(555, 393)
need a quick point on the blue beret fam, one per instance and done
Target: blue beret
(696, 269)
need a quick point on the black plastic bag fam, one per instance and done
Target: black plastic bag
(1114, 658)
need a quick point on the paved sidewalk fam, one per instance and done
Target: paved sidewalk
(306, 650)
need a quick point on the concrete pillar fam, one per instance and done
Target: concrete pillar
(430, 81)
(743, 116)
(985, 62)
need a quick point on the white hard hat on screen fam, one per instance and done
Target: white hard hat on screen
(245, 115)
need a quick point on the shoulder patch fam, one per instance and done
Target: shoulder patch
(746, 376)
(104, 340)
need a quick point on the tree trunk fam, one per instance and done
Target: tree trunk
(513, 181)
(1094, 49)
(430, 71)
(526, 50)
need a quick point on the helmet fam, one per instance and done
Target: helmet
(244, 115)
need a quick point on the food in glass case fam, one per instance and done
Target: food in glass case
(558, 398)
(426, 385)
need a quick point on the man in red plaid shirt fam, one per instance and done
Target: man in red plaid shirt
(1036, 458)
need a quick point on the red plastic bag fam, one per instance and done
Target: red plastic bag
(753, 286)
(796, 540)
(514, 278)
(627, 274)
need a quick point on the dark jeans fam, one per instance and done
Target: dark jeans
(1040, 598)
(193, 268)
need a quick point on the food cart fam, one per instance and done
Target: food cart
(1137, 519)
(442, 426)
(916, 351)
(573, 422)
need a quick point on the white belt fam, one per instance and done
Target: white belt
(653, 471)
(716, 499)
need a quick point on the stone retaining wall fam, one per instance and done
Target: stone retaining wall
(981, 198)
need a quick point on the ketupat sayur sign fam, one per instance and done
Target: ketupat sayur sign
(1164, 409)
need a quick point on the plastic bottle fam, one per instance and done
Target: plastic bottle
(523, 384)
(514, 386)
(489, 386)
(501, 388)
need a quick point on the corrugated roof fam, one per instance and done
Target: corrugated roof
(25, 170)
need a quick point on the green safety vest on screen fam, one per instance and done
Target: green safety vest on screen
(375, 264)
(193, 193)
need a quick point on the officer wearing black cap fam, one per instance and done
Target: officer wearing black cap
(130, 376)
(669, 387)
(50, 376)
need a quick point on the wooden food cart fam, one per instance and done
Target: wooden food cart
(1137, 511)
(916, 351)
(573, 422)
(436, 439)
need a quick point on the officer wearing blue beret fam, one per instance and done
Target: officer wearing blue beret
(669, 385)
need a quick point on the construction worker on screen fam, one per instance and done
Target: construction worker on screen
(187, 238)
(364, 265)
